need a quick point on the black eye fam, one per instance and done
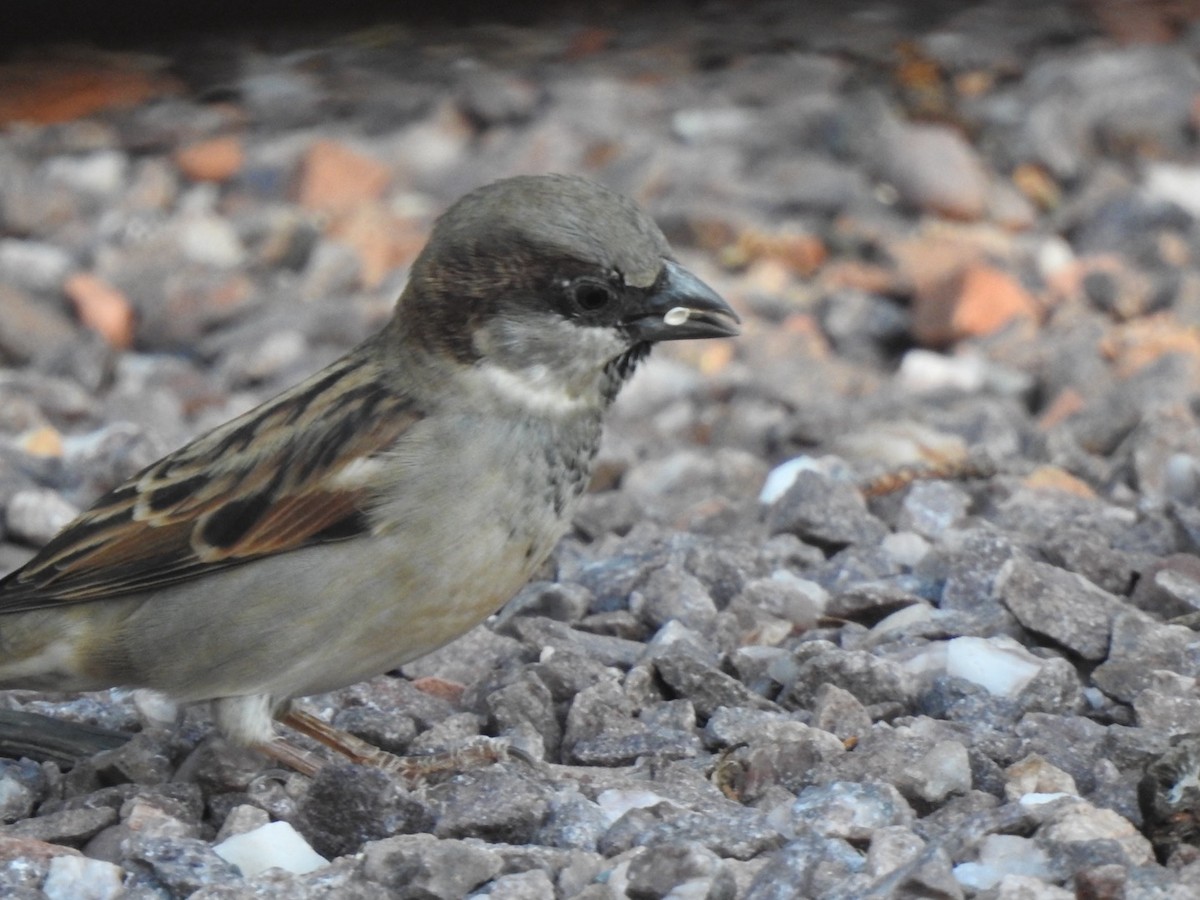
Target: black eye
(592, 296)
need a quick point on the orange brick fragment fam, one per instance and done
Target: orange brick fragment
(1052, 478)
(980, 300)
(215, 159)
(334, 178)
(382, 241)
(103, 308)
(45, 442)
(56, 90)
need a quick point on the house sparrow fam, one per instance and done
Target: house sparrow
(387, 504)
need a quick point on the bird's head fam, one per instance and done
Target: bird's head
(554, 279)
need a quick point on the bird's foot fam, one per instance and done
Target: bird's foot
(413, 769)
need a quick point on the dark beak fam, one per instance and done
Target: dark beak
(681, 307)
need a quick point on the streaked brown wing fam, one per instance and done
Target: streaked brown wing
(285, 475)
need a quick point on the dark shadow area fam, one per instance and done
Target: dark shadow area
(138, 22)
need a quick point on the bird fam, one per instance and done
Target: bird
(388, 503)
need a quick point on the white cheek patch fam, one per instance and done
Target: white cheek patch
(677, 315)
(531, 389)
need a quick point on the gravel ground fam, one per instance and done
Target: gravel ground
(893, 596)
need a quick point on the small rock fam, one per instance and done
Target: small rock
(30, 327)
(22, 787)
(933, 168)
(673, 594)
(932, 507)
(572, 822)
(800, 867)
(241, 819)
(335, 178)
(459, 661)
(979, 300)
(492, 804)
(349, 805)
(679, 870)
(68, 826)
(1078, 821)
(1061, 605)
(850, 811)
(531, 885)
(1000, 665)
(726, 829)
(794, 600)
(33, 265)
(1034, 775)
(563, 602)
(215, 159)
(944, 770)
(423, 866)
(819, 510)
(838, 711)
(1167, 713)
(1169, 587)
(182, 865)
(707, 687)
(892, 846)
(1139, 646)
(927, 372)
(274, 845)
(1003, 855)
(34, 515)
(102, 308)
(79, 878)
(210, 241)
(102, 174)
(871, 679)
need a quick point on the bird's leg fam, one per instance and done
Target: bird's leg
(411, 768)
(293, 757)
(354, 748)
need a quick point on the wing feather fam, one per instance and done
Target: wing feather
(271, 481)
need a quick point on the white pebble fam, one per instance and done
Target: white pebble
(212, 241)
(35, 515)
(274, 846)
(1054, 254)
(782, 477)
(615, 802)
(945, 770)
(101, 174)
(1000, 665)
(906, 548)
(903, 617)
(1039, 799)
(1174, 183)
(1000, 855)
(33, 264)
(80, 878)
(923, 371)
